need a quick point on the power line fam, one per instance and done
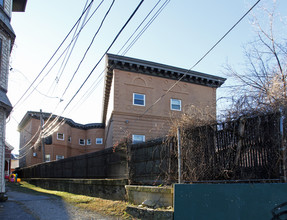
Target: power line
(92, 41)
(50, 126)
(200, 59)
(53, 54)
(94, 86)
(63, 51)
(146, 26)
(69, 53)
(139, 26)
(104, 53)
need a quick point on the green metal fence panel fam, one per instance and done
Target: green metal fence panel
(230, 201)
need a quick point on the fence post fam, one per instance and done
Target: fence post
(283, 146)
(179, 155)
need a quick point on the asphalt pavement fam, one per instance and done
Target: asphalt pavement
(26, 206)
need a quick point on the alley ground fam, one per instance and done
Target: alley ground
(41, 206)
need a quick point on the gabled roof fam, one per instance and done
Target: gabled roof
(153, 69)
(36, 115)
(9, 146)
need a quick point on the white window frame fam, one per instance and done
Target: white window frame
(89, 142)
(59, 157)
(47, 158)
(135, 136)
(61, 139)
(171, 105)
(143, 95)
(80, 139)
(99, 140)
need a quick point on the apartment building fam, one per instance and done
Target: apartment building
(7, 38)
(66, 138)
(141, 100)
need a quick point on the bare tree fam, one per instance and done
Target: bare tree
(262, 85)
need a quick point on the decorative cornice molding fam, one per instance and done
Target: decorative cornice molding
(36, 115)
(161, 70)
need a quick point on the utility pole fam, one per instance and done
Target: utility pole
(42, 138)
(179, 155)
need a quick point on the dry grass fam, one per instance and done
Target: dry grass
(101, 206)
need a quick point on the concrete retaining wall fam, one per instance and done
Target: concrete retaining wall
(161, 196)
(113, 189)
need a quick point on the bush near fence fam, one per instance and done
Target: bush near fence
(248, 148)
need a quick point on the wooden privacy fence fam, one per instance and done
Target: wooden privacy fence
(247, 148)
(108, 163)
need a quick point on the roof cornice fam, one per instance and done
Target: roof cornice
(36, 115)
(162, 70)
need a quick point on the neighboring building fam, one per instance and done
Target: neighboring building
(70, 139)
(132, 86)
(11, 160)
(7, 38)
(8, 157)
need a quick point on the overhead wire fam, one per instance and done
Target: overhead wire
(60, 100)
(52, 55)
(56, 119)
(65, 50)
(86, 9)
(134, 12)
(87, 50)
(162, 96)
(146, 26)
(69, 52)
(139, 26)
(100, 77)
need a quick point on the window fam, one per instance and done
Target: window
(138, 138)
(139, 99)
(82, 141)
(175, 104)
(59, 157)
(47, 158)
(89, 142)
(70, 139)
(2, 3)
(48, 140)
(60, 136)
(99, 140)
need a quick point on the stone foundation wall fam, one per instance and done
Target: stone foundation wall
(113, 189)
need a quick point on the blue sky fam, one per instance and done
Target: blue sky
(179, 36)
